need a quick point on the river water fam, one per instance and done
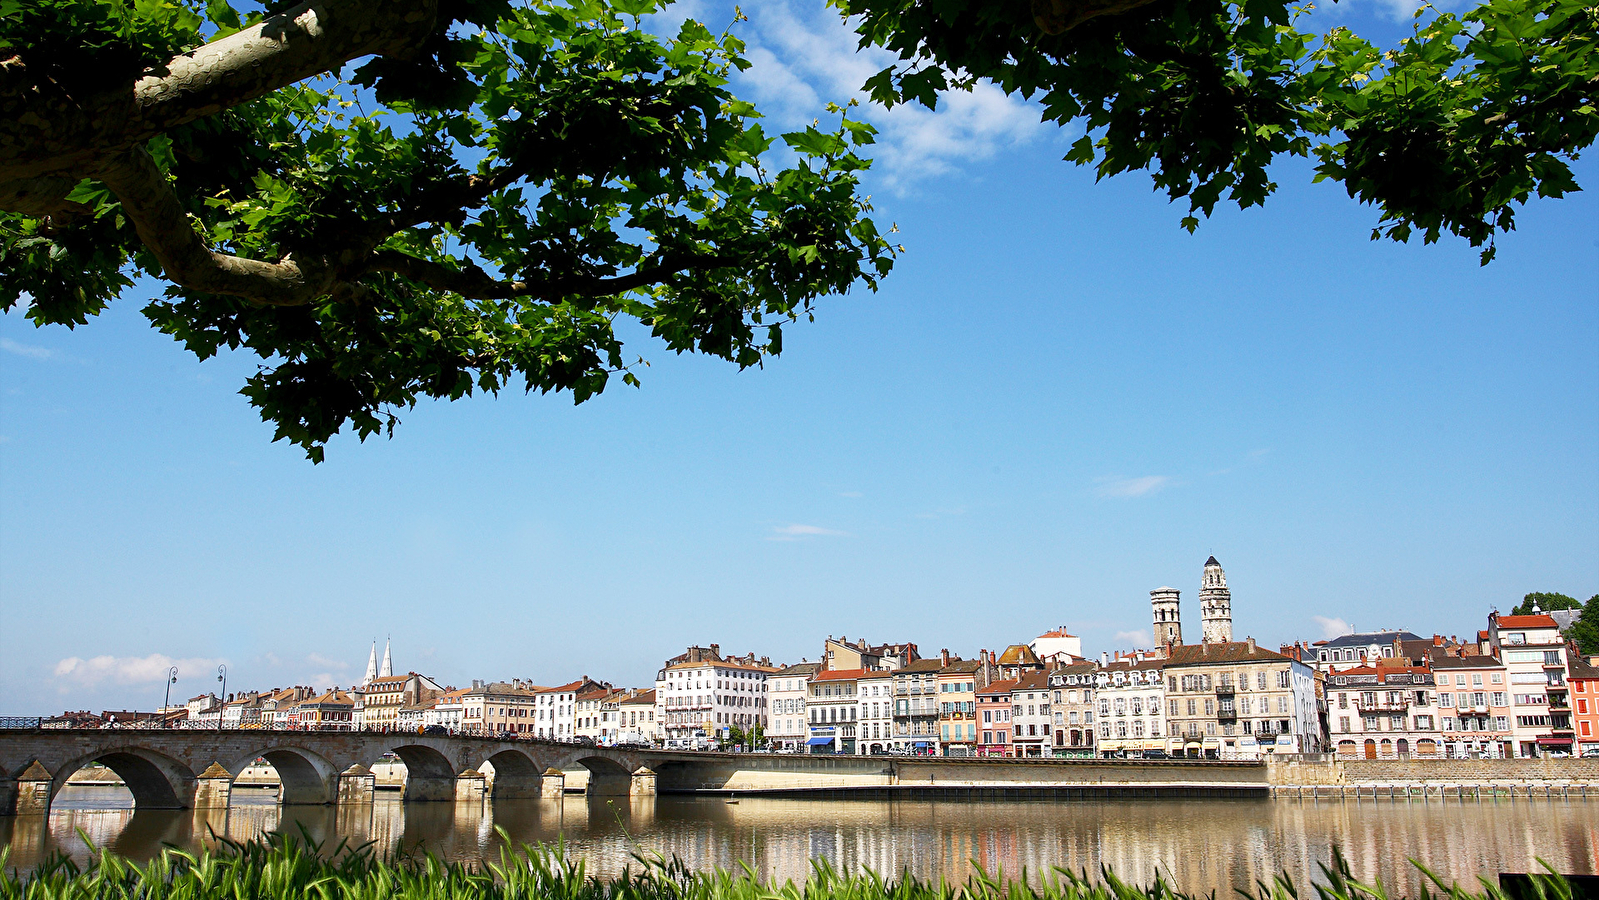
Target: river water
(1200, 845)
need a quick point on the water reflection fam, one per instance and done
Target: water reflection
(1202, 845)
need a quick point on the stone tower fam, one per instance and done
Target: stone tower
(1168, 617)
(371, 666)
(388, 663)
(1215, 605)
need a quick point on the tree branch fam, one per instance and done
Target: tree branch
(43, 131)
(162, 224)
(475, 284)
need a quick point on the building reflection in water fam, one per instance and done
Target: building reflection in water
(1200, 845)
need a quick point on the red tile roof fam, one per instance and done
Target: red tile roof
(839, 675)
(1527, 622)
(999, 687)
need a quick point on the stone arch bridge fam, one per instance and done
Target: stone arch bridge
(193, 768)
(188, 768)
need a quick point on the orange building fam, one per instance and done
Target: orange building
(1583, 677)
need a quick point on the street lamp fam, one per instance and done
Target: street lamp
(171, 679)
(222, 676)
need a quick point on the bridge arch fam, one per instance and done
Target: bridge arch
(155, 780)
(428, 772)
(603, 766)
(516, 775)
(304, 777)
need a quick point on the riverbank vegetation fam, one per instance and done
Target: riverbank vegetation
(294, 868)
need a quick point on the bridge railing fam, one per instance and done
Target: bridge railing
(14, 722)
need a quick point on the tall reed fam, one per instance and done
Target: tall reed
(286, 867)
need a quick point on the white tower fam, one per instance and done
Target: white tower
(1168, 617)
(1215, 605)
(388, 665)
(371, 666)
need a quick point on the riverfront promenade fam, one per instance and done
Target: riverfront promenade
(196, 769)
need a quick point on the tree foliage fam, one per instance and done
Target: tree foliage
(1585, 631)
(494, 187)
(1546, 602)
(477, 205)
(1446, 133)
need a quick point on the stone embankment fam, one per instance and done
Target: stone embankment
(1420, 778)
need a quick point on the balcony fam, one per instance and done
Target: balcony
(1383, 706)
(1224, 690)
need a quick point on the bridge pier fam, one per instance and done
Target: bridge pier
(552, 784)
(33, 788)
(356, 785)
(469, 785)
(642, 783)
(212, 788)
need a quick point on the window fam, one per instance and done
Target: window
(1191, 708)
(1171, 706)
(1446, 699)
(1260, 681)
(1499, 698)
(1343, 723)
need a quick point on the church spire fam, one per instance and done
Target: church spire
(388, 665)
(371, 666)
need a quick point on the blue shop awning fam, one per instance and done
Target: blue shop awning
(816, 742)
(923, 744)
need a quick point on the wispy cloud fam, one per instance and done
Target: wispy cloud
(27, 350)
(1135, 639)
(317, 659)
(804, 55)
(132, 669)
(1331, 628)
(796, 532)
(1133, 487)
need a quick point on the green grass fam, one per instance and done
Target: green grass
(294, 868)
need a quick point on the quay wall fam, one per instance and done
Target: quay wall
(1483, 772)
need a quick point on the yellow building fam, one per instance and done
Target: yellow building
(958, 682)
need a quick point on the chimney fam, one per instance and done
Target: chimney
(1437, 640)
(1204, 649)
(1251, 644)
(1104, 658)
(716, 651)
(943, 656)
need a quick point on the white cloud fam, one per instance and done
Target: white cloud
(804, 55)
(1331, 628)
(1133, 639)
(317, 659)
(133, 669)
(796, 531)
(27, 350)
(1133, 487)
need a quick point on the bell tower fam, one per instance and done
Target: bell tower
(1215, 605)
(1164, 603)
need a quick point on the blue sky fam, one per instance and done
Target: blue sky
(1058, 402)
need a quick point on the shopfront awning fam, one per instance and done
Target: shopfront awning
(817, 742)
(1554, 741)
(924, 744)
